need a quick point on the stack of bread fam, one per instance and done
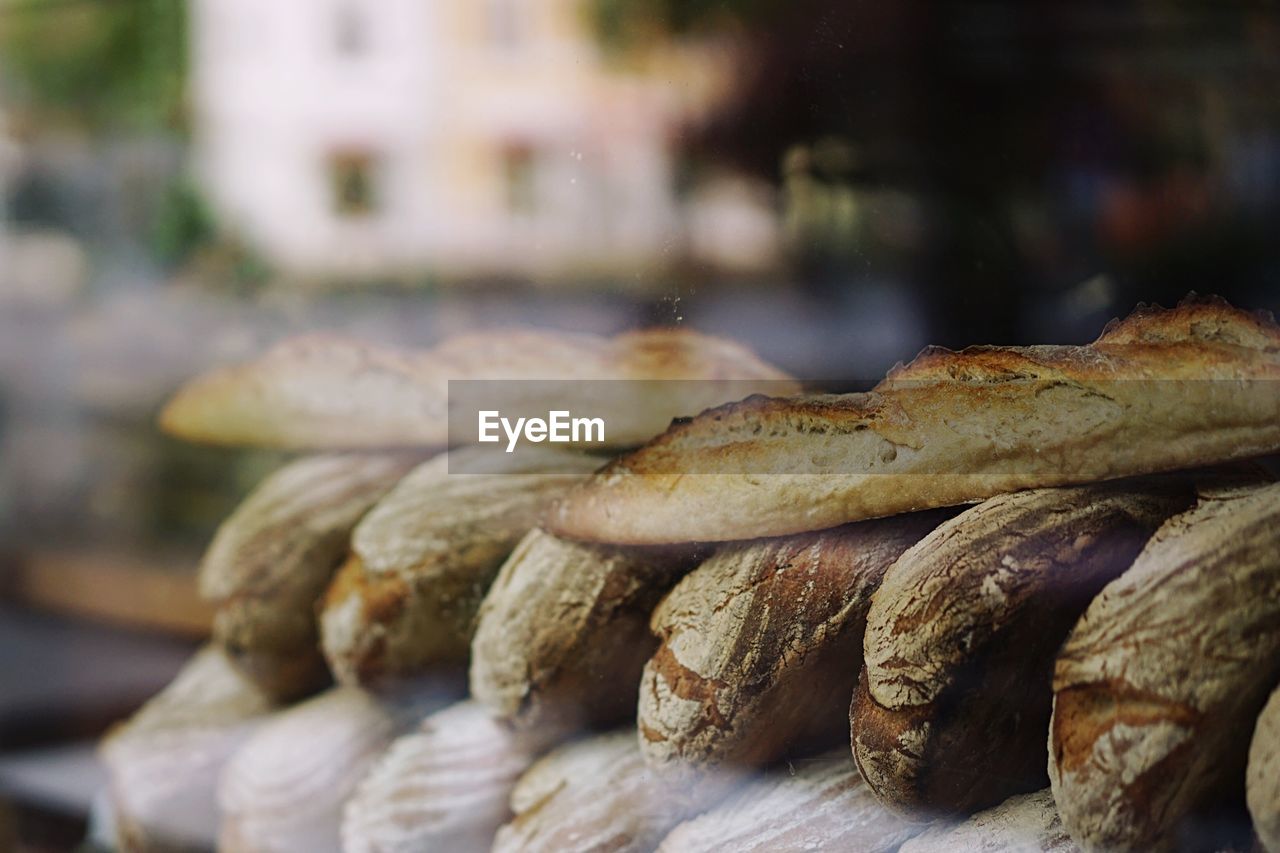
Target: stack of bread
(1010, 599)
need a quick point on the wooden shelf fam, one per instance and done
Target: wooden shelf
(135, 591)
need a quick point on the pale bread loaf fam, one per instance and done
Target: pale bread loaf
(952, 710)
(819, 804)
(270, 561)
(443, 786)
(1157, 688)
(326, 391)
(1161, 390)
(284, 789)
(761, 643)
(424, 556)
(1263, 782)
(597, 795)
(563, 634)
(1027, 823)
(163, 764)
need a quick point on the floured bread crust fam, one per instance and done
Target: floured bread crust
(952, 711)
(819, 804)
(1160, 390)
(1028, 823)
(270, 561)
(1157, 688)
(563, 634)
(327, 391)
(424, 556)
(761, 644)
(1263, 782)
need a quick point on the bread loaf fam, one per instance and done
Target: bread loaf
(424, 557)
(1157, 688)
(324, 391)
(1027, 823)
(271, 560)
(952, 711)
(284, 789)
(564, 632)
(163, 764)
(1263, 782)
(760, 645)
(821, 804)
(444, 786)
(596, 795)
(1162, 390)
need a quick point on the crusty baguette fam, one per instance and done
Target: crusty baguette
(1263, 782)
(821, 804)
(324, 391)
(270, 562)
(1027, 823)
(1161, 390)
(563, 634)
(1157, 688)
(163, 764)
(952, 710)
(444, 786)
(284, 788)
(424, 556)
(760, 645)
(597, 795)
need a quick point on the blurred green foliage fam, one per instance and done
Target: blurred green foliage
(623, 23)
(183, 225)
(97, 63)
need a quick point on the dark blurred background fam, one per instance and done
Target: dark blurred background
(834, 183)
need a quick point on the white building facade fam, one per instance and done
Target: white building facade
(464, 137)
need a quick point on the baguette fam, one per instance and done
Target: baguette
(444, 786)
(821, 805)
(597, 795)
(952, 710)
(163, 764)
(270, 561)
(563, 634)
(1159, 683)
(284, 789)
(1028, 823)
(1161, 390)
(1263, 781)
(423, 558)
(760, 644)
(324, 391)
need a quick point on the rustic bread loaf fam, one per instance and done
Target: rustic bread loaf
(324, 391)
(1028, 823)
(760, 645)
(270, 562)
(284, 789)
(597, 795)
(163, 764)
(423, 558)
(1263, 782)
(1157, 688)
(563, 634)
(952, 711)
(821, 804)
(1162, 390)
(444, 786)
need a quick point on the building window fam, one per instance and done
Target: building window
(351, 31)
(351, 181)
(507, 24)
(519, 174)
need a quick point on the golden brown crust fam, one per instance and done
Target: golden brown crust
(1159, 391)
(326, 391)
